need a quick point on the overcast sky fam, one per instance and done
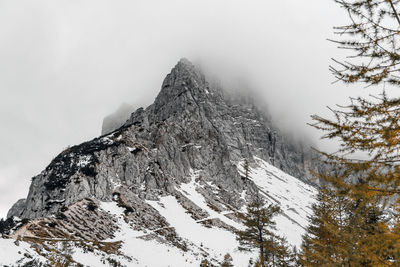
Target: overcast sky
(65, 65)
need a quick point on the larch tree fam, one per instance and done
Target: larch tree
(227, 261)
(366, 166)
(258, 234)
(322, 240)
(372, 34)
(370, 126)
(278, 253)
(343, 232)
(246, 168)
(205, 263)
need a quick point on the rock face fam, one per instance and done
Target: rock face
(169, 181)
(190, 126)
(17, 209)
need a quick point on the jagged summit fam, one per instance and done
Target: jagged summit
(189, 126)
(184, 78)
(185, 65)
(186, 83)
(185, 61)
(183, 154)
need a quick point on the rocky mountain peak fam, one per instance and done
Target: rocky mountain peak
(190, 126)
(183, 155)
(185, 75)
(185, 84)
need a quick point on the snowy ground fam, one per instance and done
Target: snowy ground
(216, 241)
(146, 252)
(12, 252)
(292, 195)
(201, 240)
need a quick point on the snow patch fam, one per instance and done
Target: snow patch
(142, 252)
(84, 160)
(11, 253)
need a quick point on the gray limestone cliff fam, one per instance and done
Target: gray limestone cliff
(191, 126)
(17, 208)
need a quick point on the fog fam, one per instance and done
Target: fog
(65, 65)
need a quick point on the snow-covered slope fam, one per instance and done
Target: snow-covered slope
(293, 196)
(201, 239)
(14, 252)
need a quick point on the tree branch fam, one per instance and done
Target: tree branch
(394, 11)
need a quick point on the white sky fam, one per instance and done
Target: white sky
(64, 65)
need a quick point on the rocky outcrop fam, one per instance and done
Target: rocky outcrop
(192, 125)
(72, 223)
(17, 209)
